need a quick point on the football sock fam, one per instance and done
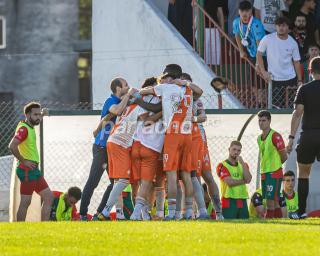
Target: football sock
(197, 193)
(160, 197)
(189, 203)
(303, 191)
(172, 207)
(116, 191)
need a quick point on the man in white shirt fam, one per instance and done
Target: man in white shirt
(283, 62)
(268, 11)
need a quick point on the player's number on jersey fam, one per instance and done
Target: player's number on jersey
(269, 188)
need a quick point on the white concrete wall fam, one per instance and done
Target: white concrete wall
(6, 163)
(133, 39)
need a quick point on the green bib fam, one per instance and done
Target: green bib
(270, 160)
(292, 204)
(63, 213)
(28, 148)
(236, 192)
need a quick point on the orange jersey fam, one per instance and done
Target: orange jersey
(125, 127)
(176, 107)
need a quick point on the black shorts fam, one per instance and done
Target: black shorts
(308, 147)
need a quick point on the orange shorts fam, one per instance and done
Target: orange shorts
(160, 172)
(177, 152)
(144, 162)
(206, 163)
(119, 161)
(197, 155)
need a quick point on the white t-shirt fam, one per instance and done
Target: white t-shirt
(280, 54)
(197, 107)
(269, 12)
(151, 136)
(125, 126)
(173, 97)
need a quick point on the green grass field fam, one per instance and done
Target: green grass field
(281, 237)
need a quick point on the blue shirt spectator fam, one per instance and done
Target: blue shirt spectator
(102, 136)
(256, 33)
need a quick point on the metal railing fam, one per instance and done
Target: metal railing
(222, 55)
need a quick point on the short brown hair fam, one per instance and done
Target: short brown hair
(187, 76)
(235, 143)
(149, 82)
(315, 65)
(282, 20)
(116, 82)
(28, 108)
(265, 113)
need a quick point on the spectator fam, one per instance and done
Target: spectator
(313, 51)
(248, 31)
(184, 18)
(299, 33)
(283, 61)
(233, 12)
(287, 4)
(234, 175)
(307, 9)
(268, 11)
(212, 34)
(219, 84)
(172, 12)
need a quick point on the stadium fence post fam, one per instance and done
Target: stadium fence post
(41, 148)
(270, 94)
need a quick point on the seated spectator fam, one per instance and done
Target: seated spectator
(233, 13)
(258, 205)
(307, 9)
(212, 34)
(248, 31)
(64, 205)
(299, 33)
(234, 174)
(219, 84)
(283, 62)
(268, 11)
(313, 51)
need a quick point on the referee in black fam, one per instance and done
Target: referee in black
(307, 107)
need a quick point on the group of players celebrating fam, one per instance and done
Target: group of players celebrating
(155, 141)
(158, 141)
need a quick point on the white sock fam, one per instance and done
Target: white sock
(179, 198)
(197, 193)
(114, 195)
(145, 211)
(140, 203)
(160, 197)
(178, 215)
(189, 211)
